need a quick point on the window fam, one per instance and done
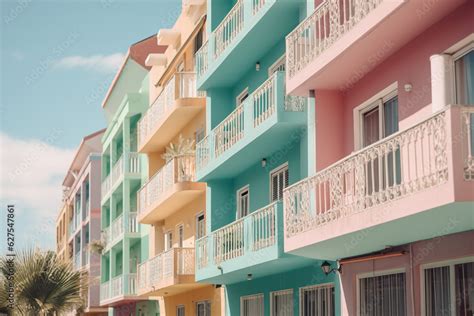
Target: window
(243, 202)
(241, 97)
(382, 295)
(198, 40)
(180, 311)
(278, 182)
(251, 305)
(444, 297)
(200, 226)
(317, 300)
(281, 303)
(180, 235)
(168, 240)
(203, 308)
(379, 119)
(464, 75)
(375, 120)
(279, 65)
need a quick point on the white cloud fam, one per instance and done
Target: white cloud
(31, 176)
(100, 63)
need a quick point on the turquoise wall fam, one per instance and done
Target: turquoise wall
(295, 279)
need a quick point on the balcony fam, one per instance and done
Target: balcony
(175, 107)
(382, 195)
(118, 289)
(170, 272)
(264, 116)
(342, 40)
(245, 246)
(128, 165)
(171, 188)
(115, 232)
(219, 62)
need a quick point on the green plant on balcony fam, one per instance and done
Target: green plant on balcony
(183, 148)
(97, 246)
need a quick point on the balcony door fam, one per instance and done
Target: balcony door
(464, 82)
(243, 202)
(168, 240)
(379, 120)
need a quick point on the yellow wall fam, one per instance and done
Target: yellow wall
(189, 300)
(185, 216)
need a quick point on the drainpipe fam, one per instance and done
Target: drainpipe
(412, 282)
(442, 74)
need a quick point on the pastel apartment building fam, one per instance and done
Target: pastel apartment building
(256, 144)
(124, 240)
(172, 202)
(79, 220)
(391, 195)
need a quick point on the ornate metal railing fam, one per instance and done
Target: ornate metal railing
(179, 169)
(330, 20)
(399, 165)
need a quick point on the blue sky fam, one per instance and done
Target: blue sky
(57, 60)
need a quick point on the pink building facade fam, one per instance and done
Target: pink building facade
(390, 197)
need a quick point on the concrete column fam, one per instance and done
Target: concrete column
(442, 74)
(311, 134)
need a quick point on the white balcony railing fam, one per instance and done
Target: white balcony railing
(251, 233)
(330, 20)
(127, 163)
(181, 85)
(397, 166)
(116, 286)
(229, 28)
(132, 284)
(105, 291)
(179, 169)
(117, 227)
(125, 284)
(258, 108)
(202, 59)
(166, 265)
(467, 117)
(133, 225)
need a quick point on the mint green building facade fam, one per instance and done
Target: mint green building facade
(125, 241)
(258, 141)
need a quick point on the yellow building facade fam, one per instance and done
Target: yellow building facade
(171, 201)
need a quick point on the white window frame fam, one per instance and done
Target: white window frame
(168, 240)
(237, 198)
(197, 223)
(314, 286)
(180, 306)
(275, 293)
(205, 302)
(464, 50)
(180, 225)
(280, 61)
(359, 111)
(257, 295)
(278, 169)
(238, 98)
(451, 263)
(377, 274)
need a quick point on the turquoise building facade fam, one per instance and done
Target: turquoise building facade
(258, 141)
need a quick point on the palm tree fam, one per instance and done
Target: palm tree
(44, 284)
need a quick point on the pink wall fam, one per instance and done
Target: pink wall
(439, 249)
(410, 64)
